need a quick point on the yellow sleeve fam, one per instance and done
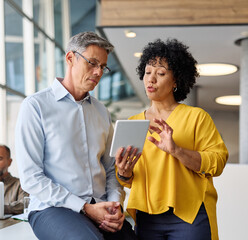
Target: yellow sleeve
(210, 145)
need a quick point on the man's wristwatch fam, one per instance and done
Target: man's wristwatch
(82, 211)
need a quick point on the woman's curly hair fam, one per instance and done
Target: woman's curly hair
(179, 60)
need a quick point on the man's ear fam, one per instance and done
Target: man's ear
(9, 161)
(70, 58)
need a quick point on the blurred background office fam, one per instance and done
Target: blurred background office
(33, 34)
(32, 37)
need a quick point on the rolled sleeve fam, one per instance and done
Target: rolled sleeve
(211, 147)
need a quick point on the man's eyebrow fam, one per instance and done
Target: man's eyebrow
(104, 64)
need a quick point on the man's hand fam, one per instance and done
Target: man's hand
(107, 214)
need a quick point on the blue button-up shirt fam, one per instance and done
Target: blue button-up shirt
(62, 150)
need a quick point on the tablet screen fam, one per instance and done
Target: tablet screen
(129, 133)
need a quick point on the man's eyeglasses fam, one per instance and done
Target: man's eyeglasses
(94, 64)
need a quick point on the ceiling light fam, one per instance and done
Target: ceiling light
(216, 69)
(234, 100)
(130, 34)
(244, 34)
(138, 54)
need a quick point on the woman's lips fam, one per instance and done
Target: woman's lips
(151, 89)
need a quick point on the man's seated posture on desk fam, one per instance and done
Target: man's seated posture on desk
(13, 193)
(63, 138)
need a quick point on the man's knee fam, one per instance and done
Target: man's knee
(63, 224)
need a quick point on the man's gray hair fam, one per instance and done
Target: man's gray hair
(81, 41)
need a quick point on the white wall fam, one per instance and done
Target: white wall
(232, 206)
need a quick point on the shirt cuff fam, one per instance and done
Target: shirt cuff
(75, 203)
(204, 164)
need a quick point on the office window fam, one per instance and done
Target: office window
(118, 87)
(14, 47)
(41, 80)
(12, 20)
(13, 105)
(105, 88)
(14, 66)
(59, 64)
(82, 16)
(59, 53)
(114, 87)
(58, 22)
(39, 15)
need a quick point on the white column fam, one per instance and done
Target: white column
(50, 46)
(28, 48)
(243, 112)
(66, 22)
(66, 26)
(3, 102)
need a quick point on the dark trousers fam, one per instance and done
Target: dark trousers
(56, 223)
(167, 226)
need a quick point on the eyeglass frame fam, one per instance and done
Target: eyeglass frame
(104, 69)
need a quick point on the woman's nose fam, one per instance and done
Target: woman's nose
(152, 78)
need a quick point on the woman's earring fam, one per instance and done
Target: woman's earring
(175, 89)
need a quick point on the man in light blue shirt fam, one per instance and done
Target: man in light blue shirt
(63, 137)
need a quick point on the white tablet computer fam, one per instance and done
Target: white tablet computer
(129, 133)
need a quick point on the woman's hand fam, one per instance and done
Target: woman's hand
(165, 132)
(126, 160)
(189, 158)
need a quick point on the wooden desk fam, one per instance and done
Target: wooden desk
(8, 222)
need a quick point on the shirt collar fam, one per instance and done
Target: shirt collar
(86, 98)
(60, 91)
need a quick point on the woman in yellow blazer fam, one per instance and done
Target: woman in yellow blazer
(172, 193)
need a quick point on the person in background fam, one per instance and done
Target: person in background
(172, 193)
(63, 138)
(13, 193)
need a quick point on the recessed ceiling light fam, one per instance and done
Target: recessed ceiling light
(137, 54)
(244, 33)
(234, 100)
(130, 34)
(216, 69)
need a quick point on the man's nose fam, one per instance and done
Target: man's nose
(98, 71)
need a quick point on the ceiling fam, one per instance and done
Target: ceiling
(206, 43)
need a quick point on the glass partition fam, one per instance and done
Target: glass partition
(14, 66)
(12, 21)
(59, 64)
(41, 80)
(38, 15)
